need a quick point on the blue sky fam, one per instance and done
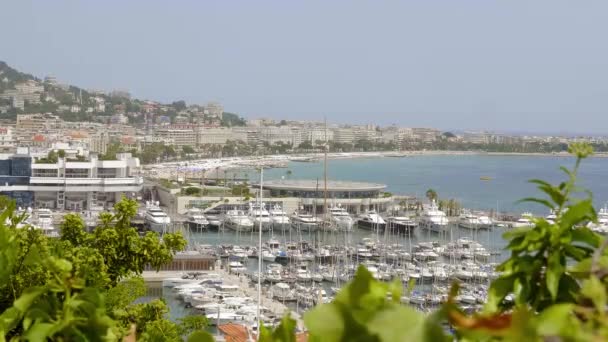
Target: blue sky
(513, 65)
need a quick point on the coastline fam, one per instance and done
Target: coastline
(275, 160)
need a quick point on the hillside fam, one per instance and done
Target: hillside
(73, 103)
(9, 76)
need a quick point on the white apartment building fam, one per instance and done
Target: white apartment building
(215, 135)
(365, 133)
(179, 136)
(246, 134)
(7, 140)
(99, 142)
(476, 137)
(344, 135)
(37, 122)
(214, 109)
(316, 134)
(425, 135)
(72, 185)
(282, 134)
(29, 87)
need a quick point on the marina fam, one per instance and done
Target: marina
(300, 240)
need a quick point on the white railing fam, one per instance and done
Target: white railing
(58, 181)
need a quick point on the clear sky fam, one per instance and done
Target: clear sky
(510, 65)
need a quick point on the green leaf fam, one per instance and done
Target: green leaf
(557, 320)
(497, 292)
(390, 325)
(577, 213)
(537, 200)
(27, 298)
(586, 235)
(40, 332)
(285, 332)
(325, 321)
(555, 269)
(200, 336)
(596, 292)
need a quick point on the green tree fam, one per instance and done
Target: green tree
(431, 194)
(187, 149)
(70, 288)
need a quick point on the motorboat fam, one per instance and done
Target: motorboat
(552, 217)
(371, 220)
(196, 219)
(468, 220)
(279, 218)
(485, 222)
(214, 217)
(397, 224)
(156, 219)
(282, 292)
(304, 221)
(260, 217)
(434, 219)
(601, 226)
(340, 218)
(524, 221)
(268, 255)
(236, 267)
(238, 221)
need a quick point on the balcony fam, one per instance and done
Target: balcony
(130, 184)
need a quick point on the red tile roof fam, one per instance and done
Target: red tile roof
(238, 333)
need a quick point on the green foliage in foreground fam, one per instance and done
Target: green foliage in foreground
(82, 286)
(556, 275)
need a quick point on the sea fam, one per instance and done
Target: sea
(456, 177)
(459, 177)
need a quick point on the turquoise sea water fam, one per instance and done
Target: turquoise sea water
(458, 177)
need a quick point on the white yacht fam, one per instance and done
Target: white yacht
(371, 220)
(282, 292)
(398, 224)
(214, 217)
(434, 219)
(340, 217)
(238, 221)
(196, 219)
(468, 220)
(485, 222)
(524, 221)
(304, 221)
(551, 217)
(156, 219)
(259, 215)
(279, 218)
(601, 226)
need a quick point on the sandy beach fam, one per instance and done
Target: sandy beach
(212, 165)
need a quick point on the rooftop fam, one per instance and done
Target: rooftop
(313, 185)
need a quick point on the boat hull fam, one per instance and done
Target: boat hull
(304, 226)
(400, 227)
(370, 225)
(433, 227)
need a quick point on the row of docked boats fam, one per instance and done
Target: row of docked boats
(222, 302)
(338, 218)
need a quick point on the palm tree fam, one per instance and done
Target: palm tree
(431, 195)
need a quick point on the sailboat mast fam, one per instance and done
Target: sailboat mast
(325, 175)
(260, 249)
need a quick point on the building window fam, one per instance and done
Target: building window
(106, 173)
(44, 173)
(76, 173)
